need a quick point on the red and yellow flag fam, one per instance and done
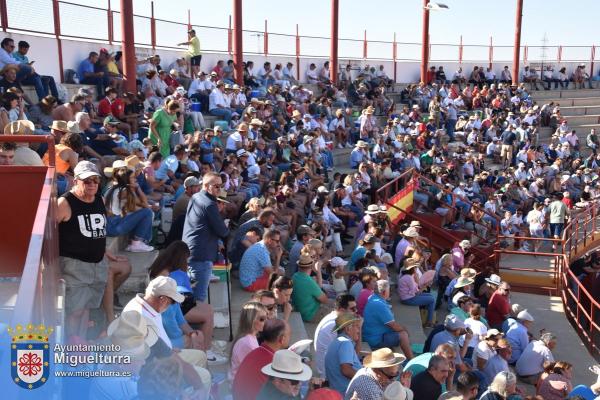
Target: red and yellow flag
(403, 200)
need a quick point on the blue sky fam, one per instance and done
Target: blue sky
(475, 20)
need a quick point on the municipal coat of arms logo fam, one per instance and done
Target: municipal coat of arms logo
(30, 355)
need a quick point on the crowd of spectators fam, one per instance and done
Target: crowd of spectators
(259, 190)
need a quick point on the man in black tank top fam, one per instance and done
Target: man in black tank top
(81, 220)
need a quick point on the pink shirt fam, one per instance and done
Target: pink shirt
(458, 258)
(407, 287)
(361, 302)
(240, 350)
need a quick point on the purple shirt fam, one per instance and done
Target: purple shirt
(407, 287)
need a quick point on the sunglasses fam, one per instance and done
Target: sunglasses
(216, 185)
(95, 181)
(293, 382)
(270, 307)
(262, 319)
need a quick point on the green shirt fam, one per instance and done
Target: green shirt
(163, 122)
(420, 364)
(463, 315)
(305, 295)
(194, 47)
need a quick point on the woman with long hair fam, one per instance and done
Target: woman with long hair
(172, 262)
(282, 287)
(252, 321)
(555, 382)
(127, 211)
(502, 387)
(67, 157)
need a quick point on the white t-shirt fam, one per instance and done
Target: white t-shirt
(138, 304)
(479, 330)
(232, 140)
(484, 351)
(323, 338)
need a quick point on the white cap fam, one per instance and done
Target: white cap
(85, 169)
(338, 262)
(452, 322)
(164, 286)
(525, 316)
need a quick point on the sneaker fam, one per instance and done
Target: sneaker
(340, 146)
(349, 145)
(214, 278)
(137, 246)
(213, 358)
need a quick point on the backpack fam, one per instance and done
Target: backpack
(71, 76)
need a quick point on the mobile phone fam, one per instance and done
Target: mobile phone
(31, 62)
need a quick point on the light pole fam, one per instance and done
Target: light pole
(517, 46)
(427, 6)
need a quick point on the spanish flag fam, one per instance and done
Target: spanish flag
(403, 200)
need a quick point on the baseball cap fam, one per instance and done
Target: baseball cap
(525, 316)
(85, 169)
(322, 189)
(110, 120)
(452, 322)
(164, 286)
(493, 332)
(338, 262)
(191, 181)
(305, 229)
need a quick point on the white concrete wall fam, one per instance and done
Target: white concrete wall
(44, 50)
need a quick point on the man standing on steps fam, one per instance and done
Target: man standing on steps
(81, 218)
(558, 214)
(193, 44)
(203, 229)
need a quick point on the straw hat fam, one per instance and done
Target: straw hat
(383, 358)
(465, 243)
(493, 280)
(133, 162)
(73, 127)
(59, 126)
(133, 334)
(369, 110)
(20, 127)
(410, 263)
(362, 144)
(296, 113)
(468, 273)
(343, 320)
(256, 122)
(395, 391)
(372, 209)
(287, 365)
(463, 281)
(411, 232)
(305, 260)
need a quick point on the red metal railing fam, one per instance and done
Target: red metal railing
(76, 19)
(40, 287)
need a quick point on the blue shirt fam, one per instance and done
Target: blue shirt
(446, 337)
(356, 157)
(20, 57)
(340, 351)
(357, 254)
(254, 260)
(518, 338)
(207, 152)
(377, 314)
(170, 163)
(494, 365)
(6, 58)
(183, 281)
(172, 320)
(85, 67)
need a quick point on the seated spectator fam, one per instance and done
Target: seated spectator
(12, 109)
(264, 221)
(324, 333)
(411, 293)
(128, 212)
(192, 186)
(41, 113)
(67, 111)
(502, 387)
(555, 383)
(218, 106)
(427, 385)
(66, 159)
(249, 378)
(24, 72)
(486, 349)
(23, 154)
(252, 322)
(530, 365)
(7, 153)
(498, 308)
(341, 359)
(88, 75)
(380, 369)
(170, 165)
(421, 363)
(498, 362)
(380, 328)
(112, 105)
(308, 296)
(256, 266)
(467, 385)
(518, 334)
(47, 81)
(286, 373)
(453, 329)
(282, 288)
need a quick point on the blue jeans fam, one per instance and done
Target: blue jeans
(425, 300)
(138, 223)
(224, 113)
(201, 271)
(101, 83)
(450, 125)
(25, 77)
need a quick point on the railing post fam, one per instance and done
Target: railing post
(460, 51)
(592, 60)
(491, 52)
(152, 26)
(189, 19)
(56, 15)
(110, 24)
(395, 56)
(365, 46)
(229, 37)
(266, 40)
(525, 54)
(559, 55)
(3, 15)
(297, 53)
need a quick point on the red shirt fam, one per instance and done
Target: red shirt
(172, 82)
(116, 108)
(249, 379)
(497, 309)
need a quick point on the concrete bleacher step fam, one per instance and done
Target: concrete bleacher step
(341, 157)
(571, 111)
(544, 277)
(71, 88)
(571, 101)
(567, 93)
